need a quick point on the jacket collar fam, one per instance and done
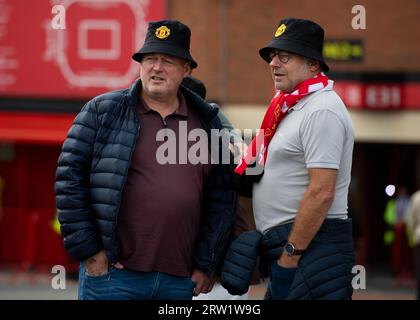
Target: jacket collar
(133, 94)
(198, 104)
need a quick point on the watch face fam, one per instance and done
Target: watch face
(289, 249)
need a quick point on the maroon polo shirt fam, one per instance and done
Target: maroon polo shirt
(159, 219)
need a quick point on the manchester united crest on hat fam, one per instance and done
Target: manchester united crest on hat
(168, 37)
(162, 32)
(280, 30)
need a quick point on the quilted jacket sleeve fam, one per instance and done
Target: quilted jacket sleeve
(81, 238)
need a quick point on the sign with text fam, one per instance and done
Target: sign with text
(343, 50)
(379, 96)
(71, 48)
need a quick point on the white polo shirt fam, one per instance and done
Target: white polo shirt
(317, 133)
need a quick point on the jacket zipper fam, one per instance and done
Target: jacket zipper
(125, 180)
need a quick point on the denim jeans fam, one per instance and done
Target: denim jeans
(280, 281)
(124, 284)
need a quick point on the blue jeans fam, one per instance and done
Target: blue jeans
(280, 281)
(126, 284)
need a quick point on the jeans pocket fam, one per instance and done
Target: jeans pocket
(106, 275)
(95, 287)
(97, 278)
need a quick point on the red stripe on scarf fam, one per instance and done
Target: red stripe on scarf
(277, 110)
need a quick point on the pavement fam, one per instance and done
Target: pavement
(34, 286)
(379, 285)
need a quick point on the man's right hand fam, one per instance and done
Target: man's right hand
(97, 265)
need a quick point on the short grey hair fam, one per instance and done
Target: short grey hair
(310, 62)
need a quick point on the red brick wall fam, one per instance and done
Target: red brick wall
(227, 34)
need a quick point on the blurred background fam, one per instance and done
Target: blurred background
(56, 55)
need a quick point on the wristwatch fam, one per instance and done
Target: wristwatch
(292, 251)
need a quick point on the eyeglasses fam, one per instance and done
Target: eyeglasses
(283, 57)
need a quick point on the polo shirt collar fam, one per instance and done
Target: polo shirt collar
(182, 108)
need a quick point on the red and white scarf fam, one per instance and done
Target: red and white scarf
(277, 110)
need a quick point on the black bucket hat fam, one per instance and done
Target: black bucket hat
(169, 37)
(299, 36)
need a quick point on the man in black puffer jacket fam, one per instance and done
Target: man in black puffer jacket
(146, 224)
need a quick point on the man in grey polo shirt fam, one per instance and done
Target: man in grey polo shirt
(306, 152)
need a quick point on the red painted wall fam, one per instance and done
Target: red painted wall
(26, 235)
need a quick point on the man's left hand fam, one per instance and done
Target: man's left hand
(202, 281)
